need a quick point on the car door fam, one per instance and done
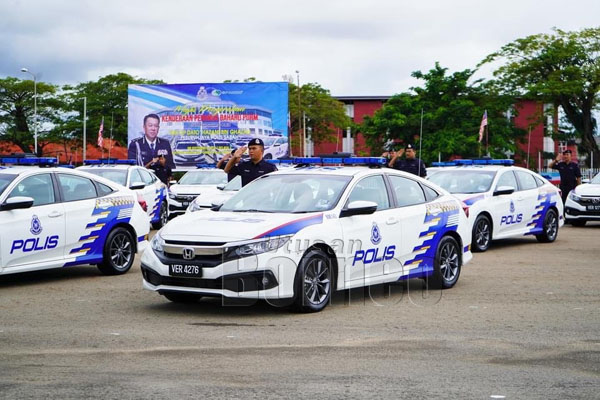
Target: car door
(147, 192)
(371, 239)
(34, 237)
(156, 190)
(527, 200)
(412, 245)
(503, 207)
(84, 218)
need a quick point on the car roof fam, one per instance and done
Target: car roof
(107, 166)
(340, 171)
(24, 171)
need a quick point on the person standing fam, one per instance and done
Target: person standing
(253, 168)
(162, 170)
(570, 175)
(145, 149)
(223, 163)
(410, 163)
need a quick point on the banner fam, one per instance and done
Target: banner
(201, 122)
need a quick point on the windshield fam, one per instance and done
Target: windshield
(596, 180)
(5, 180)
(289, 194)
(233, 185)
(216, 177)
(116, 175)
(464, 181)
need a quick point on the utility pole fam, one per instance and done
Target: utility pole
(84, 118)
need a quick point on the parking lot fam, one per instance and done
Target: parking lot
(522, 322)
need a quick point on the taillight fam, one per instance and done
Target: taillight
(465, 209)
(142, 202)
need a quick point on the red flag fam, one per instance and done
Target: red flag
(482, 126)
(100, 140)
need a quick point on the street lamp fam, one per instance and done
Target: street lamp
(299, 114)
(34, 107)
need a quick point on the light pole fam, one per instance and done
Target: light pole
(34, 107)
(299, 113)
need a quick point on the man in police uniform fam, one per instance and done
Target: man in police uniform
(253, 168)
(162, 170)
(410, 164)
(149, 147)
(570, 175)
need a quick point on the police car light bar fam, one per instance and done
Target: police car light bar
(114, 161)
(483, 161)
(206, 165)
(45, 161)
(371, 161)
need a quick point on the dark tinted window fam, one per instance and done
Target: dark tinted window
(38, 187)
(407, 191)
(76, 187)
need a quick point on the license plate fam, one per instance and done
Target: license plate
(593, 208)
(185, 203)
(185, 270)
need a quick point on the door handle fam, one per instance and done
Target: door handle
(391, 221)
(55, 214)
(519, 198)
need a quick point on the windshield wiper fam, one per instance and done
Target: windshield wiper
(254, 210)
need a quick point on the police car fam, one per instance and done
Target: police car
(56, 217)
(205, 179)
(223, 193)
(141, 180)
(504, 201)
(583, 203)
(299, 234)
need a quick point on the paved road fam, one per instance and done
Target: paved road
(522, 322)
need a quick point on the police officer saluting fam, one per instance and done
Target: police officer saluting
(570, 175)
(145, 149)
(252, 169)
(410, 164)
(161, 169)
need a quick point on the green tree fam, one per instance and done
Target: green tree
(17, 123)
(452, 113)
(562, 68)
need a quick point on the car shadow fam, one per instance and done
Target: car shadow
(49, 275)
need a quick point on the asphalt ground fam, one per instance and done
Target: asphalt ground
(523, 322)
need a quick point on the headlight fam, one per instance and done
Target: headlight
(172, 195)
(574, 197)
(257, 247)
(157, 243)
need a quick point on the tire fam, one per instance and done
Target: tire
(550, 229)
(163, 216)
(183, 298)
(447, 264)
(313, 284)
(577, 222)
(268, 156)
(118, 253)
(482, 234)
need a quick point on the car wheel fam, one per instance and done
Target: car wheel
(447, 264)
(550, 229)
(482, 234)
(118, 253)
(163, 216)
(313, 283)
(268, 156)
(186, 298)
(576, 222)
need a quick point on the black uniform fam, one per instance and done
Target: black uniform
(412, 166)
(250, 171)
(568, 177)
(162, 172)
(140, 150)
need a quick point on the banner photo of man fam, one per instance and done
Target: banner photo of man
(199, 123)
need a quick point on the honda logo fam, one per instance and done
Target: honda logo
(188, 253)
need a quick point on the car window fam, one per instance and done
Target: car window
(216, 177)
(103, 189)
(5, 180)
(507, 179)
(76, 187)
(116, 175)
(371, 188)
(135, 177)
(463, 180)
(538, 181)
(526, 180)
(38, 187)
(430, 194)
(407, 191)
(147, 177)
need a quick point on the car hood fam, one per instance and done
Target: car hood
(192, 189)
(216, 197)
(588, 189)
(219, 226)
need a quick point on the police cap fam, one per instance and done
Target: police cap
(256, 142)
(567, 151)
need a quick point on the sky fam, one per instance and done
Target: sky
(352, 48)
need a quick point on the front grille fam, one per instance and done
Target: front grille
(203, 260)
(589, 200)
(182, 197)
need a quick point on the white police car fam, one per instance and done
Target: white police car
(504, 201)
(56, 217)
(583, 203)
(299, 234)
(139, 179)
(223, 193)
(203, 180)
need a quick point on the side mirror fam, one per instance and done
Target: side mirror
(359, 207)
(137, 185)
(17, 202)
(221, 186)
(504, 190)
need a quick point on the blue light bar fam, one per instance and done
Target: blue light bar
(480, 161)
(308, 160)
(109, 161)
(206, 165)
(28, 160)
(284, 161)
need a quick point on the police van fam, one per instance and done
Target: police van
(139, 179)
(56, 217)
(503, 200)
(299, 234)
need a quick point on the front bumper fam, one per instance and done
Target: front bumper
(581, 212)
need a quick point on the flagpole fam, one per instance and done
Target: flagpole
(420, 142)
(487, 139)
(112, 117)
(101, 142)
